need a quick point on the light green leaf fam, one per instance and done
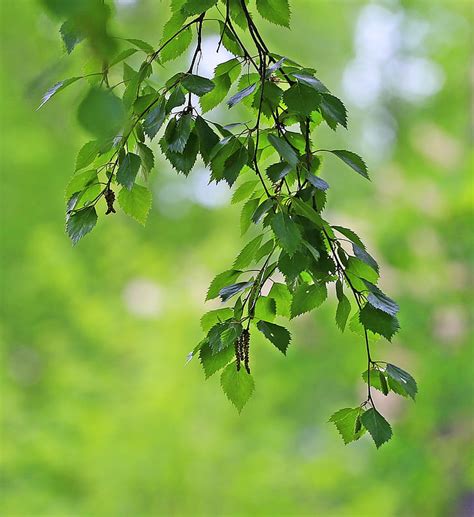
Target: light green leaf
(135, 202)
(142, 45)
(244, 191)
(246, 215)
(220, 281)
(275, 11)
(246, 256)
(237, 385)
(377, 426)
(101, 113)
(87, 154)
(213, 362)
(265, 308)
(282, 296)
(81, 181)
(307, 211)
(209, 319)
(345, 421)
(342, 312)
(192, 7)
(352, 236)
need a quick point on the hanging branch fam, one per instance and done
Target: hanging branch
(287, 102)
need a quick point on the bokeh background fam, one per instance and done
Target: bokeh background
(101, 416)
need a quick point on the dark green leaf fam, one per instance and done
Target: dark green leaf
(207, 138)
(70, 35)
(128, 170)
(308, 211)
(302, 99)
(287, 232)
(404, 378)
(80, 223)
(378, 321)
(211, 362)
(361, 254)
(231, 290)
(307, 297)
(177, 133)
(192, 7)
(241, 95)
(155, 118)
(353, 160)
(333, 111)
(262, 209)
(278, 171)
(278, 335)
(377, 426)
(381, 301)
(197, 84)
(311, 81)
(343, 311)
(284, 149)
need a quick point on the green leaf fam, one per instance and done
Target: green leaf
(183, 162)
(55, 89)
(353, 160)
(265, 250)
(177, 133)
(311, 81)
(284, 149)
(246, 215)
(178, 43)
(235, 99)
(352, 236)
(301, 99)
(81, 181)
(276, 334)
(231, 290)
(197, 84)
(192, 7)
(345, 421)
(212, 99)
(155, 118)
(262, 210)
(287, 232)
(128, 170)
(246, 256)
(80, 223)
(278, 171)
(101, 113)
(207, 138)
(244, 191)
(135, 202)
(87, 154)
(176, 98)
(381, 301)
(146, 156)
(342, 312)
(307, 211)
(333, 111)
(404, 378)
(377, 426)
(378, 321)
(317, 182)
(237, 385)
(209, 319)
(213, 362)
(220, 281)
(275, 11)
(70, 35)
(292, 266)
(234, 164)
(361, 254)
(307, 297)
(375, 378)
(265, 308)
(383, 383)
(142, 45)
(282, 296)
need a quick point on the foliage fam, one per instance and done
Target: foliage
(126, 110)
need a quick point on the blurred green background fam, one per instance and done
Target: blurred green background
(101, 416)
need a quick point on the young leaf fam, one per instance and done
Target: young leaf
(378, 321)
(265, 308)
(81, 181)
(70, 35)
(128, 170)
(80, 223)
(284, 149)
(275, 11)
(246, 256)
(278, 335)
(287, 232)
(353, 160)
(307, 297)
(87, 154)
(377, 426)
(135, 202)
(237, 385)
(404, 378)
(345, 421)
(220, 281)
(244, 191)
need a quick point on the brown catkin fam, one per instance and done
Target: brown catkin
(238, 356)
(246, 348)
